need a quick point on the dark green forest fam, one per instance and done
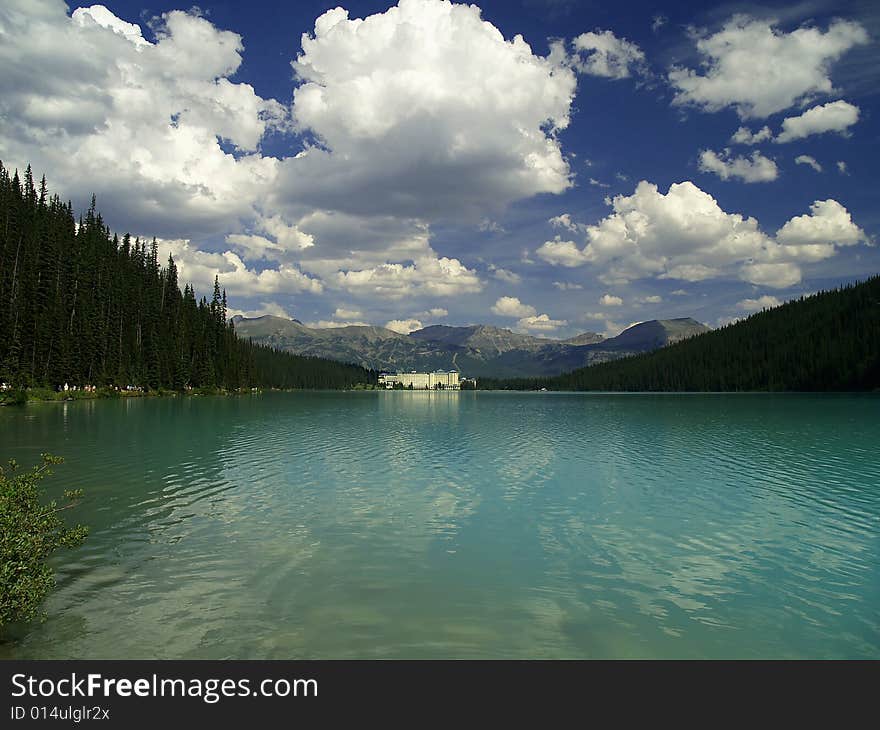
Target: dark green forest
(79, 305)
(827, 341)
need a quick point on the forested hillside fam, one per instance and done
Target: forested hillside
(80, 306)
(827, 341)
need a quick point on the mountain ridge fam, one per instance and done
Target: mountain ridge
(475, 350)
(827, 341)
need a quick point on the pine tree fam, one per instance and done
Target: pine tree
(80, 306)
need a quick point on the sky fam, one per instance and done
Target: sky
(549, 166)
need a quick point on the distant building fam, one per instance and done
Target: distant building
(438, 380)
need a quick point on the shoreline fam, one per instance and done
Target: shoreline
(47, 395)
(44, 395)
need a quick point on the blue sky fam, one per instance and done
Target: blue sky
(425, 165)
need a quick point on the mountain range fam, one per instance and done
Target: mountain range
(475, 350)
(828, 341)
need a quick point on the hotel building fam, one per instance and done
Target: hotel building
(438, 380)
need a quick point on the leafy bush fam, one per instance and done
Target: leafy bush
(30, 532)
(13, 398)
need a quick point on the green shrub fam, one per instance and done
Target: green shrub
(13, 398)
(30, 532)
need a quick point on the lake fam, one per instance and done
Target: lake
(461, 525)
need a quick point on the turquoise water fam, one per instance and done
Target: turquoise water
(521, 525)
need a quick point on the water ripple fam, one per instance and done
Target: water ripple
(463, 525)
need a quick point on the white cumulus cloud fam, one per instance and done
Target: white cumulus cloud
(836, 116)
(684, 234)
(426, 275)
(334, 324)
(528, 319)
(744, 135)
(828, 224)
(512, 307)
(403, 326)
(602, 53)
(98, 107)
(200, 267)
(609, 300)
(779, 275)
(411, 123)
(540, 323)
(562, 253)
(752, 169)
(807, 160)
(564, 220)
(756, 305)
(271, 308)
(505, 275)
(405, 126)
(758, 69)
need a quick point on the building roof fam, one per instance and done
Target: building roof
(420, 372)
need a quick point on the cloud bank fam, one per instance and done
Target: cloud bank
(684, 234)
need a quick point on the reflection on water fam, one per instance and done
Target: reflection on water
(432, 524)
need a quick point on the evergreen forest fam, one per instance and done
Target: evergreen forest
(826, 341)
(79, 305)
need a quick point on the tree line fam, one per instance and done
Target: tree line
(828, 341)
(79, 305)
